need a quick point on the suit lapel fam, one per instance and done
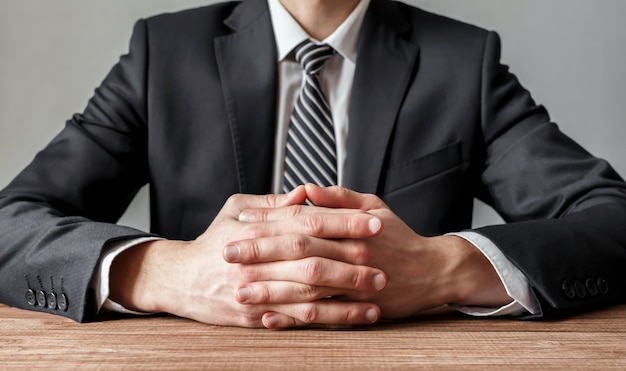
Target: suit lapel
(384, 67)
(248, 70)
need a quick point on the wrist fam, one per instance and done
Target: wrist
(137, 277)
(471, 280)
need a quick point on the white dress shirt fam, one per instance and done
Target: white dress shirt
(336, 79)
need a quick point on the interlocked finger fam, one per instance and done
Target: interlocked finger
(322, 225)
(281, 292)
(317, 272)
(327, 312)
(295, 247)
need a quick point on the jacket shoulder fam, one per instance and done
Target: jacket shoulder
(443, 37)
(206, 17)
(431, 27)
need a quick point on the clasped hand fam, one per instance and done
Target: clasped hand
(354, 262)
(270, 261)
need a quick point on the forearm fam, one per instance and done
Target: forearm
(45, 251)
(580, 249)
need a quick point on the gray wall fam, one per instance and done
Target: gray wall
(569, 53)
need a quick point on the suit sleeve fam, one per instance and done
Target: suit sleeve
(58, 213)
(566, 210)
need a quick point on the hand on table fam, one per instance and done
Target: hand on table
(421, 272)
(193, 280)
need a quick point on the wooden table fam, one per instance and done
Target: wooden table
(440, 339)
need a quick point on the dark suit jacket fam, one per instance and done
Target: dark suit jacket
(435, 121)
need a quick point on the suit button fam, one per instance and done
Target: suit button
(592, 287)
(568, 289)
(580, 289)
(52, 301)
(30, 297)
(603, 286)
(62, 302)
(41, 298)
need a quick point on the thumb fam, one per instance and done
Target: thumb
(240, 202)
(339, 197)
(297, 196)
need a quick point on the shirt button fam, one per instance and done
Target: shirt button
(30, 297)
(41, 298)
(568, 289)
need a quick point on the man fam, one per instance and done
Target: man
(424, 119)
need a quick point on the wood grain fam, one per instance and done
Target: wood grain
(440, 339)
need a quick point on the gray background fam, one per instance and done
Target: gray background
(569, 53)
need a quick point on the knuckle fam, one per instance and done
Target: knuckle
(358, 279)
(351, 316)
(359, 253)
(235, 199)
(254, 251)
(313, 271)
(309, 292)
(341, 190)
(373, 202)
(314, 224)
(299, 246)
(265, 294)
(295, 210)
(271, 199)
(308, 313)
(354, 224)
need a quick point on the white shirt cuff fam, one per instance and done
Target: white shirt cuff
(100, 282)
(514, 281)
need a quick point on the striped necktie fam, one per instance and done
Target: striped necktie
(310, 155)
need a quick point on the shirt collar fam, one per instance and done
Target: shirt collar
(289, 34)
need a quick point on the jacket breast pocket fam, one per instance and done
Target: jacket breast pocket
(412, 171)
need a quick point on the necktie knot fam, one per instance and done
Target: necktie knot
(312, 56)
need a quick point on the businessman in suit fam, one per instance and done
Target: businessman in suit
(424, 118)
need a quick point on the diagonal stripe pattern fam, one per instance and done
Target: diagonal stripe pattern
(310, 156)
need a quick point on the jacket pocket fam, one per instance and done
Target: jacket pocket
(409, 172)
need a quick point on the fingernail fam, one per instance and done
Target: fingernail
(374, 225)
(231, 253)
(379, 281)
(244, 294)
(245, 216)
(371, 315)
